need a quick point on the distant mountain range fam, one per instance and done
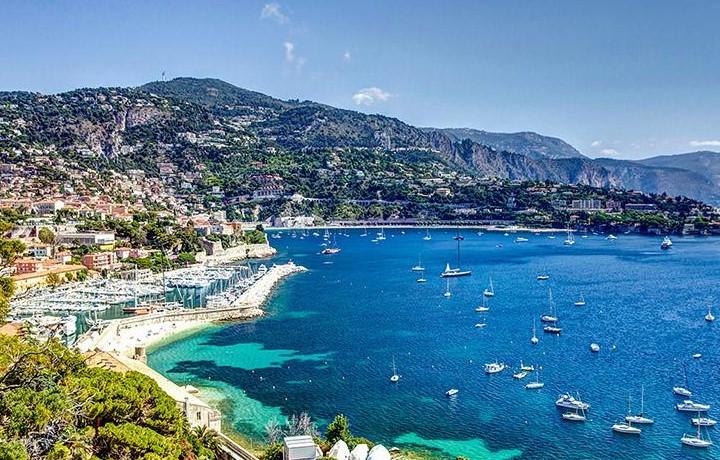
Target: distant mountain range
(252, 121)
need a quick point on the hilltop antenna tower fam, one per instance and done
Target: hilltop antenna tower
(163, 75)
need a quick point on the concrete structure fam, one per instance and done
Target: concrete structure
(48, 208)
(25, 281)
(299, 448)
(99, 260)
(23, 266)
(86, 238)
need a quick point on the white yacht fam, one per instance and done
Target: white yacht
(521, 239)
(543, 277)
(494, 368)
(421, 279)
(703, 421)
(452, 392)
(490, 290)
(682, 391)
(594, 347)
(577, 416)
(526, 368)
(697, 440)
(381, 235)
(691, 406)
(455, 272)
(580, 302)
(611, 237)
(483, 308)
(537, 384)
(534, 339)
(550, 317)
(395, 377)
(570, 240)
(709, 317)
(520, 375)
(419, 267)
(626, 428)
(480, 325)
(427, 236)
(666, 243)
(569, 402)
(640, 418)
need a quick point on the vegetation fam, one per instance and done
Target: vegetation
(53, 406)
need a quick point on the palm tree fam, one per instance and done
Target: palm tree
(207, 437)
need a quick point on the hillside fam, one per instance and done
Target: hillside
(531, 144)
(215, 134)
(704, 163)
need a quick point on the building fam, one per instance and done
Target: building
(23, 266)
(48, 208)
(443, 191)
(63, 257)
(25, 281)
(300, 448)
(586, 205)
(641, 207)
(41, 251)
(267, 193)
(122, 253)
(86, 238)
(99, 260)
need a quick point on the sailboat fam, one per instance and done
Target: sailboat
(381, 235)
(537, 384)
(421, 279)
(626, 427)
(364, 233)
(427, 236)
(666, 243)
(640, 418)
(419, 267)
(534, 340)
(483, 308)
(447, 290)
(394, 378)
(455, 272)
(697, 440)
(490, 291)
(580, 302)
(570, 240)
(709, 317)
(551, 317)
(333, 249)
(683, 391)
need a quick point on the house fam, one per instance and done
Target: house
(25, 281)
(122, 253)
(41, 251)
(99, 260)
(27, 266)
(86, 238)
(267, 193)
(63, 257)
(443, 191)
(48, 208)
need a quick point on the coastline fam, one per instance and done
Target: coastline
(487, 228)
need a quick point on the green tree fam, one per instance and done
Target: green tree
(46, 235)
(53, 279)
(338, 429)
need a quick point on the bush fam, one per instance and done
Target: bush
(273, 452)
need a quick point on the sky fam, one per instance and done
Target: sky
(621, 79)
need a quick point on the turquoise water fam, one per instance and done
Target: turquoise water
(328, 342)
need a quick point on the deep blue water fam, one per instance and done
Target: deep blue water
(328, 342)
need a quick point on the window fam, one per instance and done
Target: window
(199, 416)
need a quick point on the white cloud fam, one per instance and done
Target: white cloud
(609, 152)
(596, 144)
(368, 96)
(291, 58)
(712, 143)
(347, 56)
(274, 11)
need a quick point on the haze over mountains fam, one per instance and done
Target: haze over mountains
(297, 126)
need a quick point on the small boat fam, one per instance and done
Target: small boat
(494, 368)
(419, 267)
(640, 418)
(329, 251)
(452, 392)
(580, 302)
(458, 236)
(577, 416)
(543, 277)
(697, 356)
(490, 290)
(690, 406)
(703, 421)
(447, 290)
(394, 378)
(455, 272)
(537, 384)
(525, 368)
(381, 235)
(570, 240)
(666, 243)
(427, 236)
(594, 347)
(626, 428)
(520, 375)
(520, 239)
(534, 339)
(709, 317)
(611, 237)
(483, 308)
(682, 391)
(550, 317)
(697, 440)
(552, 330)
(421, 280)
(569, 402)
(480, 325)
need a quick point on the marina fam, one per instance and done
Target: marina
(274, 364)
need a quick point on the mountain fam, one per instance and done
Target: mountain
(230, 136)
(705, 163)
(534, 145)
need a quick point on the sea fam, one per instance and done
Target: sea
(330, 336)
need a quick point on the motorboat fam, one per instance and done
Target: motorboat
(569, 402)
(574, 417)
(666, 243)
(703, 421)
(452, 392)
(480, 325)
(543, 277)
(682, 391)
(594, 347)
(329, 251)
(552, 330)
(520, 375)
(691, 406)
(611, 237)
(526, 368)
(697, 356)
(494, 368)
(521, 239)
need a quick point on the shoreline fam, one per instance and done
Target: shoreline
(487, 228)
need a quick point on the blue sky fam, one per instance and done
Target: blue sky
(624, 79)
